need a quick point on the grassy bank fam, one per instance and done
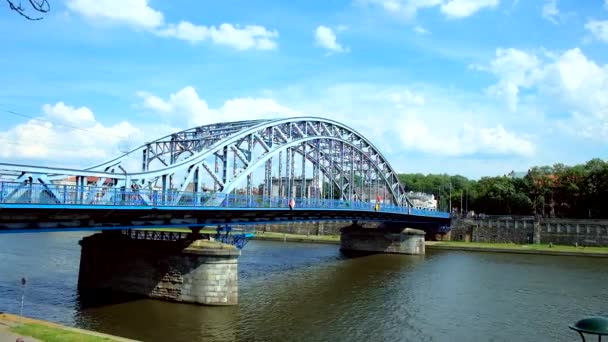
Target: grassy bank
(515, 248)
(272, 236)
(452, 245)
(51, 332)
(48, 334)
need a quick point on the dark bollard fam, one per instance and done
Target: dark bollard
(594, 325)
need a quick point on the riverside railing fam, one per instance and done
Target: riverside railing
(19, 193)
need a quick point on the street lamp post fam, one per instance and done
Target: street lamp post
(450, 201)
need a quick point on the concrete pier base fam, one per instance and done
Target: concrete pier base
(406, 241)
(191, 271)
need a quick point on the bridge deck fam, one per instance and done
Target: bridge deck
(32, 207)
(36, 217)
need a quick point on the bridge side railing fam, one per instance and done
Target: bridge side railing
(89, 195)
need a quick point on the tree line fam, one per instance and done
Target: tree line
(579, 191)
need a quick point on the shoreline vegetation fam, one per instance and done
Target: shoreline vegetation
(560, 191)
(544, 249)
(51, 332)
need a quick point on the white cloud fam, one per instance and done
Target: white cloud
(408, 9)
(412, 125)
(565, 83)
(516, 69)
(138, 14)
(550, 11)
(599, 29)
(415, 120)
(66, 135)
(469, 140)
(72, 137)
(250, 36)
(186, 108)
(74, 117)
(326, 38)
(465, 8)
(420, 30)
(135, 13)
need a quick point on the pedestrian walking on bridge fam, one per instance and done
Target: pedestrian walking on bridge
(292, 204)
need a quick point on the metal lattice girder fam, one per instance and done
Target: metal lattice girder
(228, 154)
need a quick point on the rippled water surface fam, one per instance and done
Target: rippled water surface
(308, 292)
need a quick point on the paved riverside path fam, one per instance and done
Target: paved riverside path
(7, 336)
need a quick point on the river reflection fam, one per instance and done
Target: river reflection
(308, 292)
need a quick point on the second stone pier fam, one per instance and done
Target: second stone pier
(382, 240)
(184, 270)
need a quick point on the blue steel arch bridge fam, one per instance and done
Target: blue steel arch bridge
(241, 172)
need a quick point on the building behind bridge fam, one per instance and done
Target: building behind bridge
(423, 200)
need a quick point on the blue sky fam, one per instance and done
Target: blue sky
(471, 87)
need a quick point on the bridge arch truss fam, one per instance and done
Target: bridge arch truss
(294, 157)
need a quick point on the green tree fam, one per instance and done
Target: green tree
(558, 190)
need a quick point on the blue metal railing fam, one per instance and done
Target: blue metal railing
(19, 193)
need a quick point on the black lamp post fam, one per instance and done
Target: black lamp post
(594, 325)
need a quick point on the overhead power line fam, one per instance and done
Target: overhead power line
(56, 123)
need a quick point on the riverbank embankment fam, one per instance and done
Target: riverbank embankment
(539, 249)
(456, 245)
(13, 327)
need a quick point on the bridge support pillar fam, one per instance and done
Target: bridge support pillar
(185, 270)
(381, 240)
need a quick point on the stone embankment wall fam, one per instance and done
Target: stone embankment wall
(305, 228)
(526, 230)
(182, 271)
(301, 228)
(359, 239)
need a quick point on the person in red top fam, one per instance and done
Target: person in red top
(292, 204)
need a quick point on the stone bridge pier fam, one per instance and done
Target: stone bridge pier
(384, 239)
(184, 270)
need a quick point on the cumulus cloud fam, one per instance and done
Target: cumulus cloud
(599, 29)
(403, 8)
(469, 140)
(465, 8)
(248, 37)
(65, 134)
(516, 69)
(568, 82)
(550, 11)
(408, 9)
(186, 108)
(71, 136)
(414, 120)
(347, 103)
(139, 15)
(135, 13)
(326, 38)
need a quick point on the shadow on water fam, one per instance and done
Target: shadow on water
(350, 254)
(155, 320)
(88, 299)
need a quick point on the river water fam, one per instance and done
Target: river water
(310, 292)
